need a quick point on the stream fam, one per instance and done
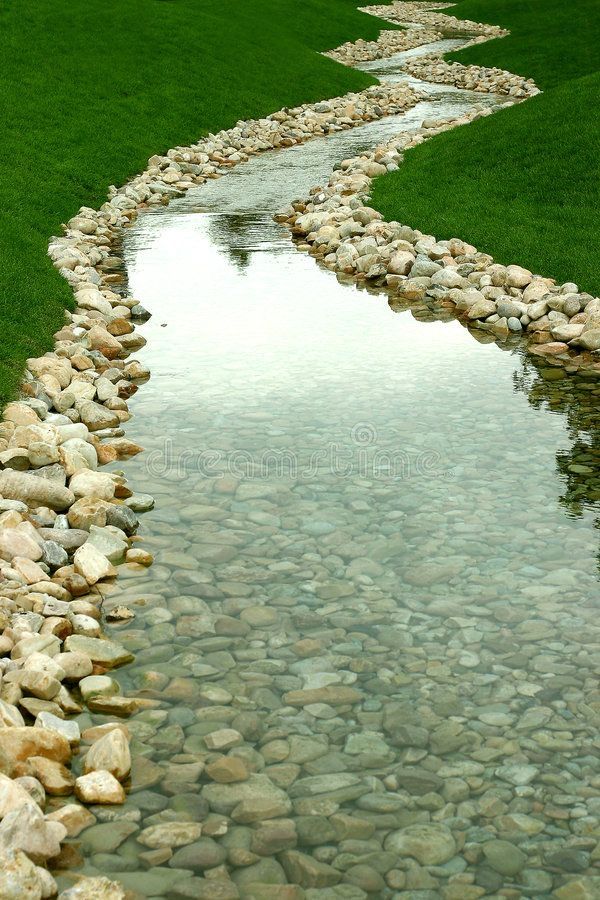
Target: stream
(376, 578)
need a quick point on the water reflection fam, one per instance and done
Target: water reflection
(577, 399)
(234, 235)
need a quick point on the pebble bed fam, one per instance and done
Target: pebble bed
(428, 816)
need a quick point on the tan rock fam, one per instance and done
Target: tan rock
(19, 877)
(75, 665)
(223, 739)
(14, 543)
(99, 787)
(26, 829)
(170, 834)
(334, 695)
(110, 753)
(92, 564)
(100, 339)
(96, 416)
(99, 485)
(518, 277)
(35, 491)
(227, 769)
(39, 684)
(74, 817)
(55, 778)
(308, 872)
(19, 743)
(29, 570)
(99, 888)
(88, 511)
(59, 368)
(12, 796)
(10, 715)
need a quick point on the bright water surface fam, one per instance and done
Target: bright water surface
(418, 504)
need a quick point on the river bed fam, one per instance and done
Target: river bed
(376, 568)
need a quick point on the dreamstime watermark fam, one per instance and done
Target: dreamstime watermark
(360, 457)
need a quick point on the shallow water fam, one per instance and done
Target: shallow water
(351, 497)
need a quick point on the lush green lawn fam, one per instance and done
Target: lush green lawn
(90, 89)
(523, 184)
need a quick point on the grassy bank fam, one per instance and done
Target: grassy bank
(90, 89)
(524, 184)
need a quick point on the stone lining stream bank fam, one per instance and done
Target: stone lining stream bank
(64, 631)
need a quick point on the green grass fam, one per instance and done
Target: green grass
(523, 184)
(90, 89)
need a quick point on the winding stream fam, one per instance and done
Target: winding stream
(349, 498)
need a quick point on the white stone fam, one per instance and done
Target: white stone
(92, 564)
(111, 754)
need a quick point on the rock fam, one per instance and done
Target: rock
(258, 793)
(228, 769)
(35, 491)
(98, 686)
(589, 339)
(120, 516)
(18, 744)
(223, 739)
(308, 872)
(584, 887)
(109, 753)
(567, 332)
(481, 309)
(107, 653)
(15, 543)
(107, 836)
(448, 278)
(68, 728)
(140, 502)
(19, 879)
(97, 485)
(430, 845)
(99, 888)
(74, 818)
(75, 665)
(84, 513)
(90, 563)
(504, 857)
(13, 796)
(26, 829)
(203, 854)
(517, 773)
(418, 781)
(99, 787)
(170, 834)
(39, 643)
(96, 416)
(514, 324)
(39, 684)
(106, 542)
(518, 277)
(334, 695)
(10, 715)
(273, 836)
(400, 263)
(55, 778)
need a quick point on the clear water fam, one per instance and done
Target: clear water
(416, 503)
